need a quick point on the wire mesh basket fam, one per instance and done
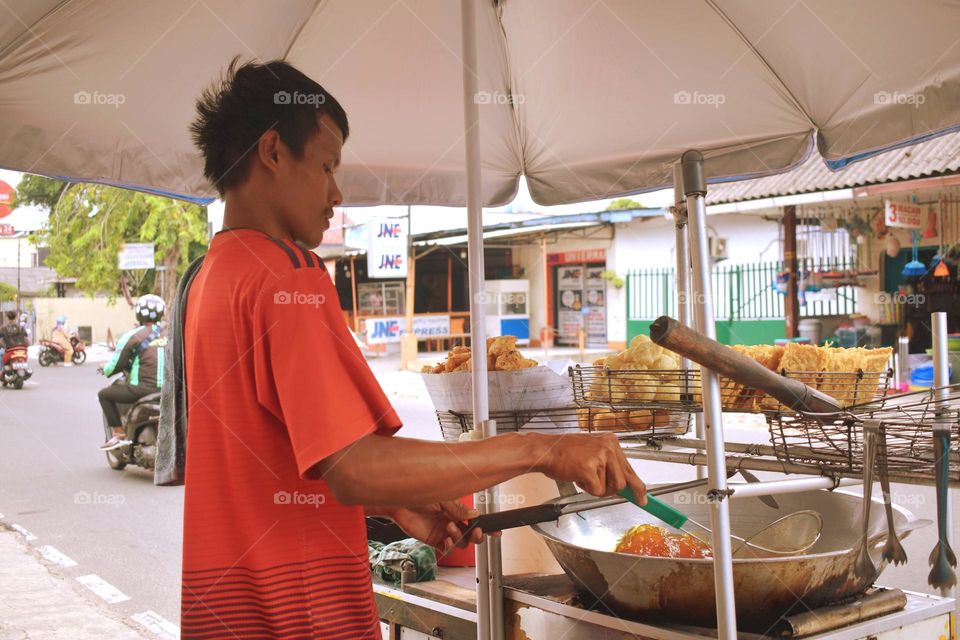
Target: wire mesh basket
(907, 423)
(647, 423)
(680, 389)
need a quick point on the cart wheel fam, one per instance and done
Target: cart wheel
(115, 463)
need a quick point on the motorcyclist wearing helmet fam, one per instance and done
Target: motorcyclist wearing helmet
(12, 334)
(139, 354)
(61, 335)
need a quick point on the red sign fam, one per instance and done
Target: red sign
(7, 194)
(7, 230)
(583, 255)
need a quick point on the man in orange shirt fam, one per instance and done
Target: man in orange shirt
(290, 436)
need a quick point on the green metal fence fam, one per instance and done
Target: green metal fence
(740, 292)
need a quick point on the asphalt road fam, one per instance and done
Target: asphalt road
(56, 485)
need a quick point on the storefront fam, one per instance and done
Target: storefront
(577, 302)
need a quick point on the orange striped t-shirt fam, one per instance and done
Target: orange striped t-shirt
(275, 384)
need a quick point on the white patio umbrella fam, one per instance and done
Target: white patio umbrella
(588, 99)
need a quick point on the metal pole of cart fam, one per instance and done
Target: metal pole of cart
(941, 378)
(478, 338)
(683, 278)
(695, 188)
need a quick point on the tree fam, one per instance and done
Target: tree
(90, 223)
(8, 292)
(623, 203)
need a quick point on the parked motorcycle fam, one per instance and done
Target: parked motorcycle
(51, 353)
(16, 370)
(140, 422)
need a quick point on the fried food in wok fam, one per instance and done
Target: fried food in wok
(502, 355)
(651, 540)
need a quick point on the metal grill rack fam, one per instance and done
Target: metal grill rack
(679, 390)
(642, 423)
(907, 422)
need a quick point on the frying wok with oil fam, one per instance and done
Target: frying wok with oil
(682, 589)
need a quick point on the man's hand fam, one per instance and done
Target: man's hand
(594, 461)
(439, 524)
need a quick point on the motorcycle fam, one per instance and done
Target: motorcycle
(140, 422)
(51, 353)
(16, 370)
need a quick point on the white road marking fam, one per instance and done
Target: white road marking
(26, 534)
(56, 556)
(103, 588)
(157, 624)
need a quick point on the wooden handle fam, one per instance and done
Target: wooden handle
(670, 334)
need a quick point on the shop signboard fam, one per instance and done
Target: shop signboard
(389, 329)
(387, 248)
(136, 255)
(7, 230)
(570, 281)
(906, 215)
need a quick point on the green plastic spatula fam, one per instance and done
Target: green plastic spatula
(791, 534)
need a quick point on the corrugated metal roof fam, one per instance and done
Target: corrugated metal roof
(939, 156)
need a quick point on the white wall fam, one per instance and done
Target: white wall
(8, 252)
(649, 242)
(96, 313)
(645, 243)
(531, 260)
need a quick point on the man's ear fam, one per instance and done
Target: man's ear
(268, 150)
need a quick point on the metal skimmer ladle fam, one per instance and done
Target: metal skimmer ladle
(792, 534)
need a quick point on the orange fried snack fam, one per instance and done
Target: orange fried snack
(651, 540)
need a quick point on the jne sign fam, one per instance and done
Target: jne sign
(382, 330)
(387, 248)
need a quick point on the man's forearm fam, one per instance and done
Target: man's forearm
(385, 471)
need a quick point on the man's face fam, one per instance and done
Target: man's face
(307, 187)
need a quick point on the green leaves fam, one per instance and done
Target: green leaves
(90, 223)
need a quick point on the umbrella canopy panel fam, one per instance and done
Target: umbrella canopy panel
(589, 100)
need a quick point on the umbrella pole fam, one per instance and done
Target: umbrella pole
(695, 188)
(683, 277)
(489, 568)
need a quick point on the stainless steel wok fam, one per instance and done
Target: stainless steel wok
(682, 589)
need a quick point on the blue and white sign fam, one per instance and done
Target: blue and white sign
(136, 255)
(383, 330)
(387, 248)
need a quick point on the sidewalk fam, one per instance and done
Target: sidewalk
(36, 604)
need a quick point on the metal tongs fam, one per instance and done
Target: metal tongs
(551, 511)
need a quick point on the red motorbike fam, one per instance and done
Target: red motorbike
(51, 353)
(15, 368)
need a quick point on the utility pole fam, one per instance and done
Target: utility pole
(408, 342)
(791, 305)
(18, 272)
